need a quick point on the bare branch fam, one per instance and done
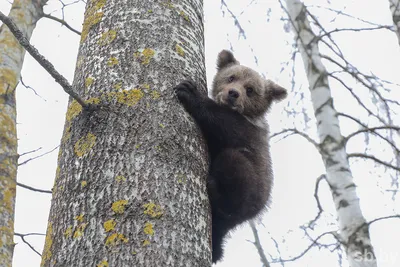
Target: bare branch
(29, 87)
(34, 189)
(366, 126)
(63, 22)
(372, 130)
(22, 236)
(235, 19)
(32, 151)
(39, 156)
(42, 60)
(257, 244)
(365, 156)
(319, 206)
(379, 27)
(292, 131)
(315, 241)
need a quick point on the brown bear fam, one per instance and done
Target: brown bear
(234, 126)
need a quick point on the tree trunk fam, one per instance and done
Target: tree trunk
(350, 218)
(395, 9)
(130, 186)
(25, 14)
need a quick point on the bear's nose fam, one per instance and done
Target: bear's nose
(233, 93)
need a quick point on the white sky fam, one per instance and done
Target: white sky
(296, 163)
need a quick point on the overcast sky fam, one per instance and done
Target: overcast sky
(296, 163)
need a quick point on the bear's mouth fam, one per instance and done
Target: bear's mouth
(226, 101)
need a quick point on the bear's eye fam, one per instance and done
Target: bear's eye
(249, 91)
(231, 79)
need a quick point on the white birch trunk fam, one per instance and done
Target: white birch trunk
(395, 9)
(25, 14)
(130, 187)
(358, 249)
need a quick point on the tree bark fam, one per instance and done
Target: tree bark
(25, 14)
(130, 187)
(395, 9)
(353, 232)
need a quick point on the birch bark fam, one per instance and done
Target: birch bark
(338, 173)
(25, 13)
(130, 187)
(395, 9)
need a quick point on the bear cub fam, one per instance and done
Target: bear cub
(233, 124)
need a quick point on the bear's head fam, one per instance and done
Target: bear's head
(243, 89)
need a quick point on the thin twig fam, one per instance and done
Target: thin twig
(32, 151)
(295, 131)
(22, 236)
(366, 156)
(257, 244)
(63, 22)
(42, 60)
(34, 189)
(39, 156)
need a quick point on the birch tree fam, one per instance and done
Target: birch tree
(25, 14)
(130, 183)
(395, 10)
(353, 230)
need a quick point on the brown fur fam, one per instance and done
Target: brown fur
(233, 124)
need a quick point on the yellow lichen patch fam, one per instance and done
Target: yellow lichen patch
(148, 229)
(46, 255)
(8, 80)
(89, 81)
(162, 125)
(184, 15)
(83, 184)
(146, 86)
(153, 210)
(79, 62)
(126, 97)
(120, 178)
(181, 178)
(146, 243)
(119, 206)
(8, 199)
(66, 136)
(92, 17)
(103, 263)
(145, 56)
(112, 61)
(109, 225)
(117, 86)
(79, 230)
(93, 100)
(68, 232)
(79, 218)
(179, 50)
(74, 110)
(116, 238)
(107, 37)
(85, 144)
(155, 95)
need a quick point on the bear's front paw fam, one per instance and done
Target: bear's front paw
(186, 91)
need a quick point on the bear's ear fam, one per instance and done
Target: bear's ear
(274, 91)
(225, 58)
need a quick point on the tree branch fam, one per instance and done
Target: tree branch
(39, 156)
(42, 60)
(257, 244)
(366, 156)
(34, 189)
(22, 236)
(63, 22)
(292, 131)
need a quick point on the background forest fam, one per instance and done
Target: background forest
(335, 141)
